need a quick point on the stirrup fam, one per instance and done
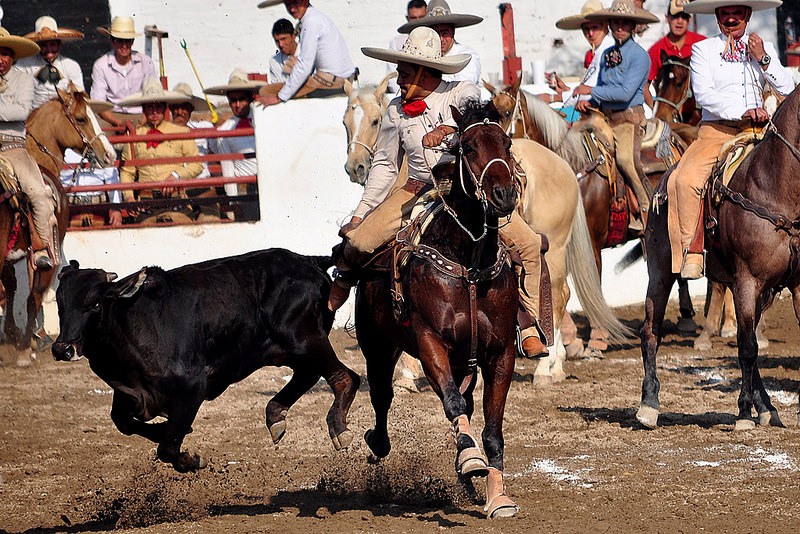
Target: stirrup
(42, 261)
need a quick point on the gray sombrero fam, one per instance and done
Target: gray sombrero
(625, 9)
(438, 12)
(708, 7)
(238, 81)
(423, 47)
(153, 92)
(574, 22)
(186, 90)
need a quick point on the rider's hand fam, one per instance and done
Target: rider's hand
(436, 136)
(583, 106)
(555, 82)
(582, 89)
(756, 47)
(355, 221)
(167, 191)
(757, 115)
(115, 218)
(267, 100)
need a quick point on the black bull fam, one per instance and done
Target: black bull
(165, 341)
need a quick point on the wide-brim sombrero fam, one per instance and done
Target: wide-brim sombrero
(46, 29)
(574, 22)
(624, 9)
(708, 7)
(238, 81)
(423, 47)
(99, 106)
(438, 12)
(184, 89)
(121, 28)
(153, 92)
(270, 3)
(21, 46)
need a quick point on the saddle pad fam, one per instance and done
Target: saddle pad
(733, 153)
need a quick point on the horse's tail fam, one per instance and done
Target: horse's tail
(586, 280)
(631, 257)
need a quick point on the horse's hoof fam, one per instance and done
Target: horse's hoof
(471, 463)
(770, 418)
(542, 380)
(687, 326)
(372, 459)
(342, 440)
(728, 332)
(647, 416)
(744, 424)
(559, 376)
(406, 383)
(762, 342)
(369, 438)
(574, 349)
(592, 352)
(24, 362)
(277, 431)
(501, 506)
(703, 342)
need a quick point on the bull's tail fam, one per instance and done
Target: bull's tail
(323, 262)
(631, 257)
(586, 280)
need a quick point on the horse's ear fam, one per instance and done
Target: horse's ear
(516, 84)
(489, 87)
(73, 88)
(348, 88)
(456, 113)
(664, 56)
(379, 92)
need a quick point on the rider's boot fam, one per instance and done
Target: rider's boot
(532, 346)
(692, 267)
(46, 252)
(345, 278)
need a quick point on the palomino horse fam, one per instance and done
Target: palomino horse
(552, 206)
(461, 305)
(64, 122)
(362, 120)
(754, 248)
(532, 118)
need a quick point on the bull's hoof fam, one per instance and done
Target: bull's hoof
(380, 450)
(703, 342)
(342, 440)
(501, 506)
(187, 462)
(744, 424)
(471, 463)
(770, 418)
(647, 416)
(687, 326)
(277, 431)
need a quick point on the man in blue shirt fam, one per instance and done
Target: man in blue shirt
(619, 92)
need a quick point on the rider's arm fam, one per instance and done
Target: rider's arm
(777, 75)
(637, 69)
(309, 33)
(18, 107)
(703, 86)
(385, 165)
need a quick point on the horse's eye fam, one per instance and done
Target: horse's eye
(467, 149)
(508, 113)
(81, 120)
(375, 122)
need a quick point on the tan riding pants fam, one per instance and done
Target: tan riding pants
(319, 81)
(382, 224)
(40, 195)
(687, 183)
(627, 126)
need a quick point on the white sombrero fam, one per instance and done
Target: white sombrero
(270, 3)
(625, 9)
(708, 7)
(186, 90)
(238, 81)
(153, 92)
(46, 29)
(423, 47)
(438, 12)
(21, 46)
(574, 22)
(121, 28)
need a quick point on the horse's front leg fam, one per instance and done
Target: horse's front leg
(435, 358)
(497, 375)
(746, 292)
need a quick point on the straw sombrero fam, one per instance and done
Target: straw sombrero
(46, 29)
(708, 7)
(625, 9)
(153, 92)
(574, 22)
(184, 89)
(270, 3)
(121, 28)
(438, 12)
(99, 106)
(423, 47)
(21, 46)
(237, 82)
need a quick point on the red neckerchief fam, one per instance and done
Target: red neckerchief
(415, 108)
(152, 144)
(587, 60)
(244, 123)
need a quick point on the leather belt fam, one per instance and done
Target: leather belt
(417, 187)
(727, 123)
(88, 199)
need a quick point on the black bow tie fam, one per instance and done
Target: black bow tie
(48, 74)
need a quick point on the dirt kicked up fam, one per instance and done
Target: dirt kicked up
(576, 460)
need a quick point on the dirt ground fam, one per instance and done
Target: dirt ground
(575, 458)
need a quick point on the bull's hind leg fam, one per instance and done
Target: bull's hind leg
(303, 378)
(344, 383)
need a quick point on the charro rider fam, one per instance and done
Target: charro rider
(417, 120)
(49, 68)
(620, 91)
(729, 74)
(16, 99)
(441, 19)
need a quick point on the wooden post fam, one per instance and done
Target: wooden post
(512, 64)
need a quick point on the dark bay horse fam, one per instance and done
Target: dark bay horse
(461, 298)
(675, 102)
(64, 122)
(755, 249)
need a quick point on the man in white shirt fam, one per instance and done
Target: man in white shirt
(49, 68)
(415, 10)
(443, 21)
(730, 71)
(323, 63)
(240, 92)
(282, 63)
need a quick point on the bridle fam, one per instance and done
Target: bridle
(687, 92)
(355, 142)
(516, 115)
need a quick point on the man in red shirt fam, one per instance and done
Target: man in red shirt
(678, 42)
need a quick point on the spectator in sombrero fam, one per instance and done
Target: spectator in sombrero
(49, 69)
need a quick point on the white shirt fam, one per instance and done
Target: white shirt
(99, 176)
(202, 143)
(592, 71)
(401, 135)
(726, 90)
(277, 68)
(235, 145)
(322, 48)
(42, 92)
(470, 73)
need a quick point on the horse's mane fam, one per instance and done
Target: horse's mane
(473, 111)
(555, 131)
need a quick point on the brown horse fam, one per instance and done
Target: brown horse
(64, 122)
(675, 102)
(461, 305)
(532, 118)
(754, 248)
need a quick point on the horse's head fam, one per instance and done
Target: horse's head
(673, 87)
(362, 120)
(485, 153)
(507, 102)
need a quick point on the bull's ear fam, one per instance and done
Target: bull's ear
(128, 286)
(110, 277)
(73, 266)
